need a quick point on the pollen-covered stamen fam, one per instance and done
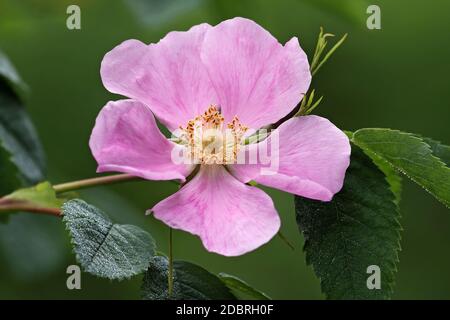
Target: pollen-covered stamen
(212, 118)
(237, 130)
(207, 140)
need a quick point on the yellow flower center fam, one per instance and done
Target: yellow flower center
(209, 142)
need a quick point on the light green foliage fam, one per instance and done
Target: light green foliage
(41, 195)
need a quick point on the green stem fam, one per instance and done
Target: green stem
(170, 276)
(86, 183)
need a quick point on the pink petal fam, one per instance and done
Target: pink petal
(230, 217)
(313, 157)
(255, 77)
(126, 139)
(168, 76)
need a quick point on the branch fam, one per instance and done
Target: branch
(30, 208)
(86, 183)
(9, 204)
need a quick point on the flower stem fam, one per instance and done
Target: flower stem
(86, 183)
(170, 275)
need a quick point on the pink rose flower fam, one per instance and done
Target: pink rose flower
(234, 75)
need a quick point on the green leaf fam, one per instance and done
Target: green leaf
(9, 74)
(9, 179)
(240, 286)
(19, 138)
(17, 134)
(439, 150)
(355, 230)
(41, 195)
(392, 176)
(105, 249)
(190, 282)
(410, 155)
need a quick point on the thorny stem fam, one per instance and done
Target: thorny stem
(170, 275)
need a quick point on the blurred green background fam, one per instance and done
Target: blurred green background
(396, 77)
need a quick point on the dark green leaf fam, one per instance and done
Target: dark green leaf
(190, 282)
(9, 179)
(392, 176)
(9, 75)
(105, 249)
(355, 230)
(17, 134)
(242, 288)
(410, 155)
(19, 138)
